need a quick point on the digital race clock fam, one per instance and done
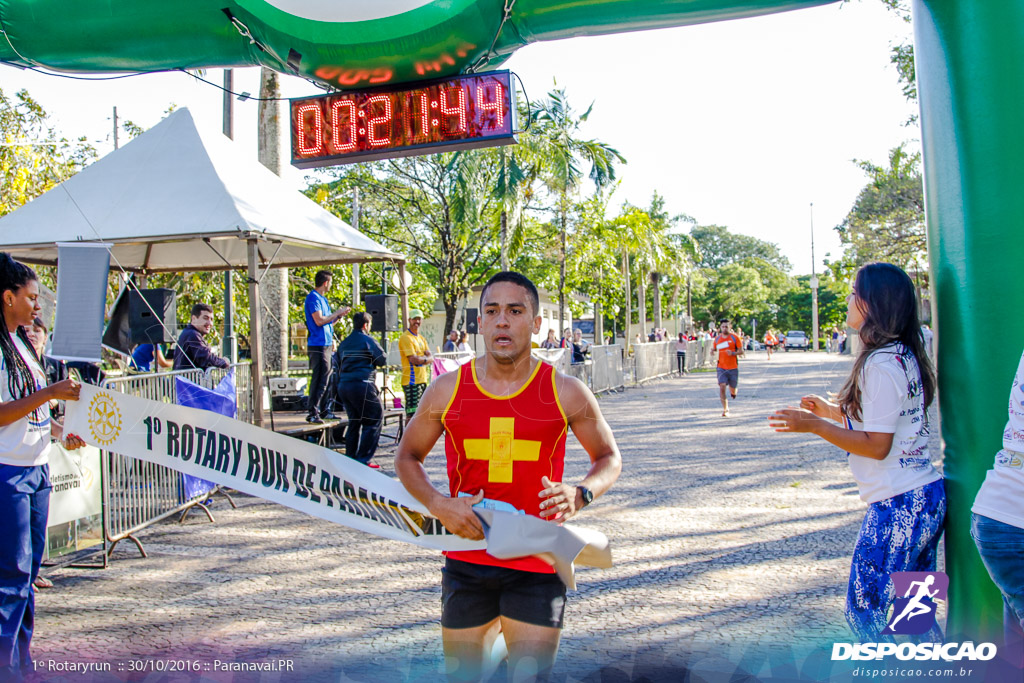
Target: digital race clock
(463, 112)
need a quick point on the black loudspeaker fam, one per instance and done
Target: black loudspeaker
(471, 321)
(384, 309)
(151, 316)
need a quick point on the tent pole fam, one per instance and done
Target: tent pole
(403, 293)
(255, 327)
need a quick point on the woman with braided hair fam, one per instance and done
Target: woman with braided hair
(25, 433)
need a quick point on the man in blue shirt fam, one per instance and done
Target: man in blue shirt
(319, 322)
(145, 354)
(356, 361)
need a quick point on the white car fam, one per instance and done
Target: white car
(795, 339)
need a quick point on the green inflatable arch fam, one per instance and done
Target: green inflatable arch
(970, 68)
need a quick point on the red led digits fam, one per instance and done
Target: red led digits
(458, 110)
(339, 125)
(461, 112)
(423, 115)
(317, 131)
(383, 119)
(495, 106)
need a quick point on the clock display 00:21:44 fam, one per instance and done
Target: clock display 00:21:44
(461, 112)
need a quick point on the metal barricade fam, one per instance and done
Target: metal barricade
(699, 354)
(653, 359)
(606, 374)
(460, 357)
(137, 494)
(582, 371)
(560, 358)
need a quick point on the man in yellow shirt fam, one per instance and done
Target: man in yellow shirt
(416, 362)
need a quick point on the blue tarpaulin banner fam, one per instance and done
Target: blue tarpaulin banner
(221, 400)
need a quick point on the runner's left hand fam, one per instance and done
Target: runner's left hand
(73, 442)
(559, 502)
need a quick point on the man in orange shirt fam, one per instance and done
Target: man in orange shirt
(505, 418)
(729, 349)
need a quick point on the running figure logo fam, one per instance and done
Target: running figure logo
(914, 613)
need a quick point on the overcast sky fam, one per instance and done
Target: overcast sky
(741, 123)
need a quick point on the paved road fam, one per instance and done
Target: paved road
(724, 534)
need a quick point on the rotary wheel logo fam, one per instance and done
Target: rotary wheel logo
(104, 419)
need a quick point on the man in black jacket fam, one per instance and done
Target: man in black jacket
(356, 361)
(193, 352)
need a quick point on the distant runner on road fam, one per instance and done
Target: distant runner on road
(769, 342)
(729, 349)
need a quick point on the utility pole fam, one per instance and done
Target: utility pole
(230, 346)
(814, 289)
(355, 266)
(274, 283)
(115, 127)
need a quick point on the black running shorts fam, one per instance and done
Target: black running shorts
(475, 594)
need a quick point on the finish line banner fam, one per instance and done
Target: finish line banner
(309, 478)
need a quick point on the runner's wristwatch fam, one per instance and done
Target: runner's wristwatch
(587, 494)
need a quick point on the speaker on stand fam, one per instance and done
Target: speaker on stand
(472, 324)
(384, 311)
(152, 316)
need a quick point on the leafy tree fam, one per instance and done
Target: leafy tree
(674, 254)
(745, 277)
(794, 310)
(33, 156)
(640, 243)
(736, 291)
(886, 222)
(593, 259)
(718, 247)
(902, 55)
(439, 209)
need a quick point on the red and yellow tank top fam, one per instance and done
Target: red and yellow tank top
(504, 445)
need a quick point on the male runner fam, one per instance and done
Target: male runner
(729, 347)
(505, 418)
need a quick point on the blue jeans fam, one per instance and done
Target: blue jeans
(24, 504)
(1002, 550)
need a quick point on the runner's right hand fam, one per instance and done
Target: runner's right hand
(66, 390)
(458, 517)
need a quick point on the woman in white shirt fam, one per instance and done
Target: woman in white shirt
(883, 406)
(25, 433)
(997, 521)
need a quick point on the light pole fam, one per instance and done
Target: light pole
(814, 290)
(615, 313)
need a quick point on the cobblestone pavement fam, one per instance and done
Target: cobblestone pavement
(724, 533)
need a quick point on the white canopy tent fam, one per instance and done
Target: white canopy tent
(175, 199)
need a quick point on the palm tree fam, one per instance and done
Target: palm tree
(560, 149)
(518, 168)
(681, 253)
(639, 243)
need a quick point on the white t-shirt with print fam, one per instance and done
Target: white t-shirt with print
(892, 402)
(24, 442)
(1001, 496)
